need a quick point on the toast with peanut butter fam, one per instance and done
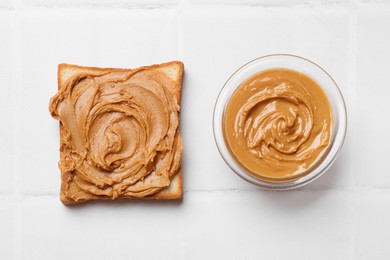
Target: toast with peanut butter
(119, 132)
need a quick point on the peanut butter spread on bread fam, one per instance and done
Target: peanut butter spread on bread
(119, 133)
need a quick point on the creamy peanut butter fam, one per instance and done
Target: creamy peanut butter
(119, 133)
(278, 124)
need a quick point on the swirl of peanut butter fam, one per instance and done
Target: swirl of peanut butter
(119, 132)
(278, 124)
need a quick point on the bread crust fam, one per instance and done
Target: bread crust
(175, 190)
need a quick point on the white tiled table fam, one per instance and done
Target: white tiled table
(343, 215)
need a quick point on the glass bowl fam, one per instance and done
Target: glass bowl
(304, 66)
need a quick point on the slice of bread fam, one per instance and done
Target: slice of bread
(174, 71)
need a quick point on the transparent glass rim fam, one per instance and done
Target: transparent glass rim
(300, 64)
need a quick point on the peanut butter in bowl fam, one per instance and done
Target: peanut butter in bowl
(280, 121)
(278, 124)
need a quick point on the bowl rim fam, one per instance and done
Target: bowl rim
(305, 179)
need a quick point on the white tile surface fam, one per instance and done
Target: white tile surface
(215, 44)
(372, 230)
(270, 2)
(235, 225)
(249, 225)
(102, 3)
(372, 98)
(5, 4)
(6, 105)
(375, 1)
(6, 230)
(343, 215)
(80, 37)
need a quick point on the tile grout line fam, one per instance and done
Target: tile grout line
(179, 31)
(102, 6)
(357, 191)
(16, 83)
(180, 53)
(353, 81)
(147, 5)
